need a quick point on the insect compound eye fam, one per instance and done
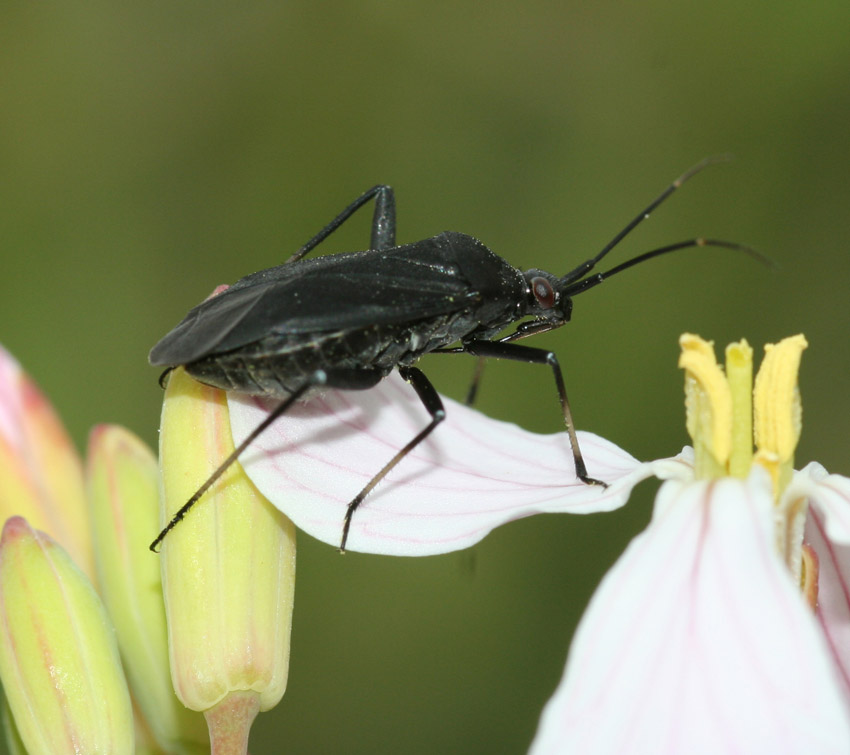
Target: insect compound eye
(543, 292)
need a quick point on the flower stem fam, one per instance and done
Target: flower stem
(230, 722)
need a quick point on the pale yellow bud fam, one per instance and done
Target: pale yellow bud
(228, 567)
(122, 479)
(58, 657)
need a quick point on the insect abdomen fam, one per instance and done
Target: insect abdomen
(278, 364)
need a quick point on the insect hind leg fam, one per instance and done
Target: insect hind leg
(383, 222)
(431, 401)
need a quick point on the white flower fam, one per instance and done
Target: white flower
(702, 638)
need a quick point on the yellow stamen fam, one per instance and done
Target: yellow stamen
(776, 407)
(809, 576)
(739, 373)
(708, 404)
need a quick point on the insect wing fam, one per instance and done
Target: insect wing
(336, 292)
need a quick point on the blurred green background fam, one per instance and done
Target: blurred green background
(150, 151)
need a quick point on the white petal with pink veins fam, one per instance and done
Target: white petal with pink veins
(472, 474)
(697, 641)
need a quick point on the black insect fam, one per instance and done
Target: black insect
(347, 320)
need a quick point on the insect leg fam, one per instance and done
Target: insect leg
(472, 392)
(317, 378)
(383, 221)
(524, 330)
(432, 402)
(531, 355)
(476, 380)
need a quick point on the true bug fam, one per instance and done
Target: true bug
(347, 320)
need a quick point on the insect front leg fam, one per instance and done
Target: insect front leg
(383, 221)
(531, 355)
(432, 402)
(524, 330)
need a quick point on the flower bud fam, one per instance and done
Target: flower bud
(41, 474)
(122, 483)
(228, 567)
(58, 657)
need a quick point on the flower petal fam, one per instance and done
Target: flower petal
(471, 475)
(830, 493)
(41, 475)
(697, 641)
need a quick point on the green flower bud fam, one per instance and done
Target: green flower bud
(122, 478)
(58, 657)
(228, 568)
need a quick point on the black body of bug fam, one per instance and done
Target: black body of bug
(347, 320)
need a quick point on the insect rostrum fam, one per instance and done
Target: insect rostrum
(347, 320)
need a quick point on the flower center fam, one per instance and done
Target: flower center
(726, 415)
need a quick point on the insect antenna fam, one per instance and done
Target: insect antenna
(594, 280)
(586, 267)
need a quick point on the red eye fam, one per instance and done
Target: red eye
(543, 292)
